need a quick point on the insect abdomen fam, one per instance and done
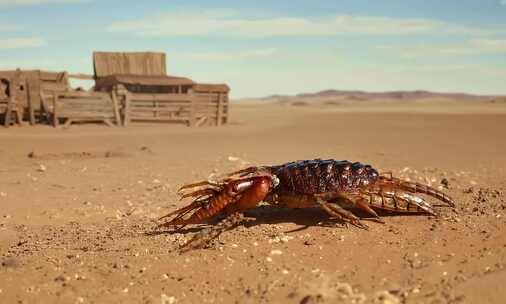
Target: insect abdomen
(317, 176)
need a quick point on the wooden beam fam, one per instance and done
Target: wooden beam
(116, 107)
(219, 119)
(192, 121)
(55, 114)
(126, 114)
(82, 76)
(33, 89)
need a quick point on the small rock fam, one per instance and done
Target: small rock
(10, 263)
(164, 299)
(42, 168)
(310, 299)
(385, 297)
(445, 183)
(62, 278)
(233, 158)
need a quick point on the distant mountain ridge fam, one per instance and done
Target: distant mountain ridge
(395, 95)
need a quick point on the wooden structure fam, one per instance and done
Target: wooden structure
(129, 87)
(27, 89)
(10, 88)
(194, 108)
(145, 84)
(146, 93)
(137, 63)
(81, 106)
(214, 109)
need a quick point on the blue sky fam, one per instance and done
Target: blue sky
(271, 47)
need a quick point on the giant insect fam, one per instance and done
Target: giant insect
(330, 185)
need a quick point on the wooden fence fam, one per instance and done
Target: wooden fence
(46, 97)
(76, 106)
(193, 109)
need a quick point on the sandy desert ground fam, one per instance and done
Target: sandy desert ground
(79, 209)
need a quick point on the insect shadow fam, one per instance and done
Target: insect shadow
(267, 214)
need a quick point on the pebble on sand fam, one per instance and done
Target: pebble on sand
(164, 299)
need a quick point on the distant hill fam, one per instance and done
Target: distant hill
(339, 97)
(392, 95)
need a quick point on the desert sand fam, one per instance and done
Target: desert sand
(79, 209)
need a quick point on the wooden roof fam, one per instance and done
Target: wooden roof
(137, 63)
(208, 87)
(143, 80)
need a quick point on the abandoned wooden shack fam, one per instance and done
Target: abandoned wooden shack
(146, 93)
(23, 92)
(129, 88)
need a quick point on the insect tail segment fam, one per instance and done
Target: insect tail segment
(398, 202)
(414, 187)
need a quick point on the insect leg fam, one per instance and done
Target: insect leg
(339, 212)
(359, 202)
(203, 237)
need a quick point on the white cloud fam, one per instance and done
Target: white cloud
(22, 43)
(4, 3)
(217, 23)
(7, 27)
(473, 46)
(233, 55)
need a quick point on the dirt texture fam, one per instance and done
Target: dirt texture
(79, 210)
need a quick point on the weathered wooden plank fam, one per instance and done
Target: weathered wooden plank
(160, 104)
(139, 118)
(126, 119)
(84, 94)
(82, 76)
(115, 105)
(161, 97)
(140, 63)
(54, 87)
(67, 123)
(219, 120)
(145, 110)
(87, 115)
(55, 110)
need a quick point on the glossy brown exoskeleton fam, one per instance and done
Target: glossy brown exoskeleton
(329, 184)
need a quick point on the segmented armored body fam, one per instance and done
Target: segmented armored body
(328, 184)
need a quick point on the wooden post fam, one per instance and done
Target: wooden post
(126, 119)
(114, 99)
(7, 119)
(156, 109)
(55, 112)
(192, 121)
(33, 88)
(226, 112)
(219, 116)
